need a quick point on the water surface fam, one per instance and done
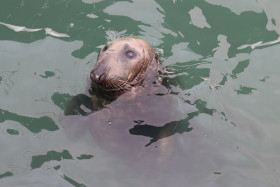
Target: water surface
(216, 124)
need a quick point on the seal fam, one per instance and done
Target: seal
(123, 64)
(143, 112)
(126, 65)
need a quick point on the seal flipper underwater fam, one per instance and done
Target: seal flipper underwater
(80, 101)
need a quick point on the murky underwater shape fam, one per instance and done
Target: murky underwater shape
(215, 124)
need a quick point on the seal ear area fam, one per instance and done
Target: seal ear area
(105, 48)
(108, 44)
(152, 69)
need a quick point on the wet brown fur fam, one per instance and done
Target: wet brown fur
(121, 72)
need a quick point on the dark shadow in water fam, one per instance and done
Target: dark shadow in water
(34, 125)
(85, 157)
(12, 132)
(80, 104)
(6, 174)
(74, 107)
(157, 133)
(245, 90)
(71, 105)
(240, 67)
(38, 160)
(73, 182)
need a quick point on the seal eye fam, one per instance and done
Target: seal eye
(129, 54)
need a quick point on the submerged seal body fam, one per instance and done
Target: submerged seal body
(123, 64)
(134, 126)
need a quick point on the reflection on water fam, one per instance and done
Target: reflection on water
(35, 125)
(214, 122)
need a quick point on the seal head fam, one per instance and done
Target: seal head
(123, 64)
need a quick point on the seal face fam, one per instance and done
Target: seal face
(123, 64)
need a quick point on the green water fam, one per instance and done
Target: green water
(221, 130)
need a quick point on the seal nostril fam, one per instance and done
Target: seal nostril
(92, 75)
(96, 77)
(101, 77)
